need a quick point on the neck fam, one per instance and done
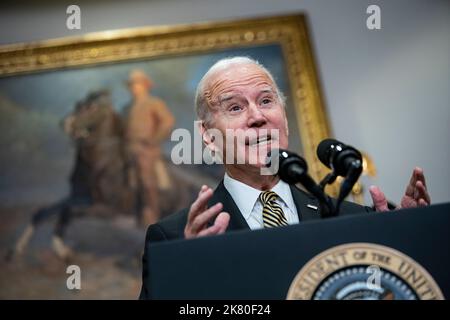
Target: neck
(252, 177)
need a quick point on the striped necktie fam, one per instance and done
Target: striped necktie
(273, 215)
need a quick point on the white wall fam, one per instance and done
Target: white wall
(387, 91)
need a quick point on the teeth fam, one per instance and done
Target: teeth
(261, 139)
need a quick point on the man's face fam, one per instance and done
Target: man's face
(138, 87)
(244, 99)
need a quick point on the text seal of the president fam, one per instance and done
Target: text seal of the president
(346, 272)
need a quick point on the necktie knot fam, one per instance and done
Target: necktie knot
(268, 197)
(273, 215)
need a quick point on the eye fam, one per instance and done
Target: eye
(235, 108)
(266, 101)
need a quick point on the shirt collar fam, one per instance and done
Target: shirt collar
(245, 196)
(283, 190)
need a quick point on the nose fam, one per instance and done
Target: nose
(256, 117)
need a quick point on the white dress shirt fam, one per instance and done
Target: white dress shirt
(247, 200)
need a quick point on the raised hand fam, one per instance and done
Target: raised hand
(199, 215)
(416, 194)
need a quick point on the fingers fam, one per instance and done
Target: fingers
(412, 184)
(416, 190)
(379, 199)
(421, 193)
(219, 226)
(202, 219)
(199, 215)
(200, 204)
(417, 175)
(222, 220)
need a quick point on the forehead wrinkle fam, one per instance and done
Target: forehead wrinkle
(269, 90)
(227, 96)
(229, 81)
(218, 92)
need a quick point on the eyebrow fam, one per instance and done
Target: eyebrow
(270, 90)
(227, 97)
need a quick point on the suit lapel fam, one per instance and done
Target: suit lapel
(237, 220)
(307, 205)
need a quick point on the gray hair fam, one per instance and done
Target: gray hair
(201, 104)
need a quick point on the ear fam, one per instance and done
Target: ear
(286, 123)
(207, 137)
(203, 130)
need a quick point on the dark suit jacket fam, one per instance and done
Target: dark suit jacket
(173, 226)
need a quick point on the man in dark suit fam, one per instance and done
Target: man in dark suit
(240, 95)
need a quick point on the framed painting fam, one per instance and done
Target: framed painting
(44, 84)
(56, 73)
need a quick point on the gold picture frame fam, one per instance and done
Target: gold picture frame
(290, 32)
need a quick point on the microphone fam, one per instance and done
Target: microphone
(293, 169)
(339, 157)
(345, 161)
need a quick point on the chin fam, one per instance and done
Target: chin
(255, 160)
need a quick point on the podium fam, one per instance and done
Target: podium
(392, 255)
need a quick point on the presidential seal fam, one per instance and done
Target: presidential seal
(363, 271)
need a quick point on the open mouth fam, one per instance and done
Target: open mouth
(258, 140)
